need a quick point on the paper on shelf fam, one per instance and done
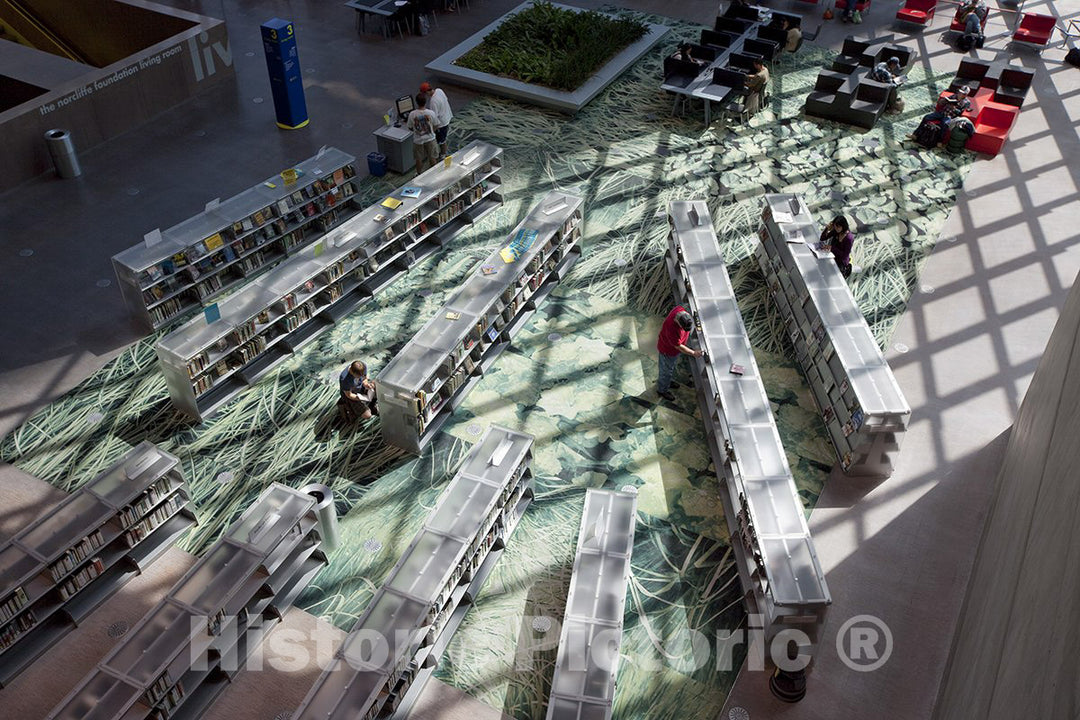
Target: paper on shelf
(782, 217)
(139, 465)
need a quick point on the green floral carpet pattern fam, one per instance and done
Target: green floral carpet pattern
(580, 377)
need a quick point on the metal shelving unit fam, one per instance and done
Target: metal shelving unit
(206, 364)
(226, 245)
(782, 580)
(413, 616)
(62, 566)
(425, 382)
(176, 660)
(858, 398)
(584, 684)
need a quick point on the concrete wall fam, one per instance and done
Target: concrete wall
(1016, 652)
(98, 104)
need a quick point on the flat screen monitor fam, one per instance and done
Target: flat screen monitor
(405, 106)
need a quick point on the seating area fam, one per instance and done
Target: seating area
(1034, 30)
(919, 12)
(845, 93)
(998, 91)
(860, 5)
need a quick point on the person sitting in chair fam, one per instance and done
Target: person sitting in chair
(358, 401)
(794, 36)
(972, 35)
(888, 72)
(684, 53)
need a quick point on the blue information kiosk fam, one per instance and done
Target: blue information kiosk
(283, 64)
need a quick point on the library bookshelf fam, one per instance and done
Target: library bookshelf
(393, 649)
(61, 567)
(858, 399)
(179, 657)
(783, 584)
(425, 382)
(206, 363)
(584, 682)
(227, 244)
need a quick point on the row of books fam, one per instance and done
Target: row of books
(208, 287)
(15, 602)
(265, 217)
(451, 211)
(75, 555)
(243, 332)
(197, 364)
(167, 309)
(298, 318)
(163, 689)
(204, 382)
(14, 630)
(148, 499)
(80, 579)
(137, 532)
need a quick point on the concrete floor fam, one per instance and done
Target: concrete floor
(901, 550)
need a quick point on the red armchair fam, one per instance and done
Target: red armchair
(1035, 29)
(917, 11)
(958, 21)
(992, 128)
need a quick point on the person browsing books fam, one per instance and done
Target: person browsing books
(423, 122)
(358, 399)
(838, 238)
(674, 334)
(440, 105)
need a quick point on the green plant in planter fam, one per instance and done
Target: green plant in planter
(551, 46)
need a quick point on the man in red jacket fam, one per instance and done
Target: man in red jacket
(672, 341)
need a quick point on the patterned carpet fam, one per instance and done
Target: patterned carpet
(579, 377)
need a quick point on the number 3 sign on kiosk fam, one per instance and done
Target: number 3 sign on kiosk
(283, 65)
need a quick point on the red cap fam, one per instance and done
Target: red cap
(425, 87)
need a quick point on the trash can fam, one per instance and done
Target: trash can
(376, 164)
(324, 508)
(62, 150)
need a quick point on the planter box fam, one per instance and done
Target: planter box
(569, 102)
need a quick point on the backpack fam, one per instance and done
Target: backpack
(929, 132)
(960, 131)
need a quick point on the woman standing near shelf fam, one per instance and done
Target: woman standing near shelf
(837, 237)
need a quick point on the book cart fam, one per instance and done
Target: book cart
(227, 244)
(430, 377)
(858, 399)
(178, 659)
(584, 682)
(381, 668)
(61, 567)
(206, 363)
(778, 567)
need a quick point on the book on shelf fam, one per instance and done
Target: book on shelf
(13, 630)
(154, 519)
(74, 555)
(410, 191)
(391, 203)
(15, 602)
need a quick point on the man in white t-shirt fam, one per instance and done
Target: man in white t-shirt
(422, 122)
(440, 105)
